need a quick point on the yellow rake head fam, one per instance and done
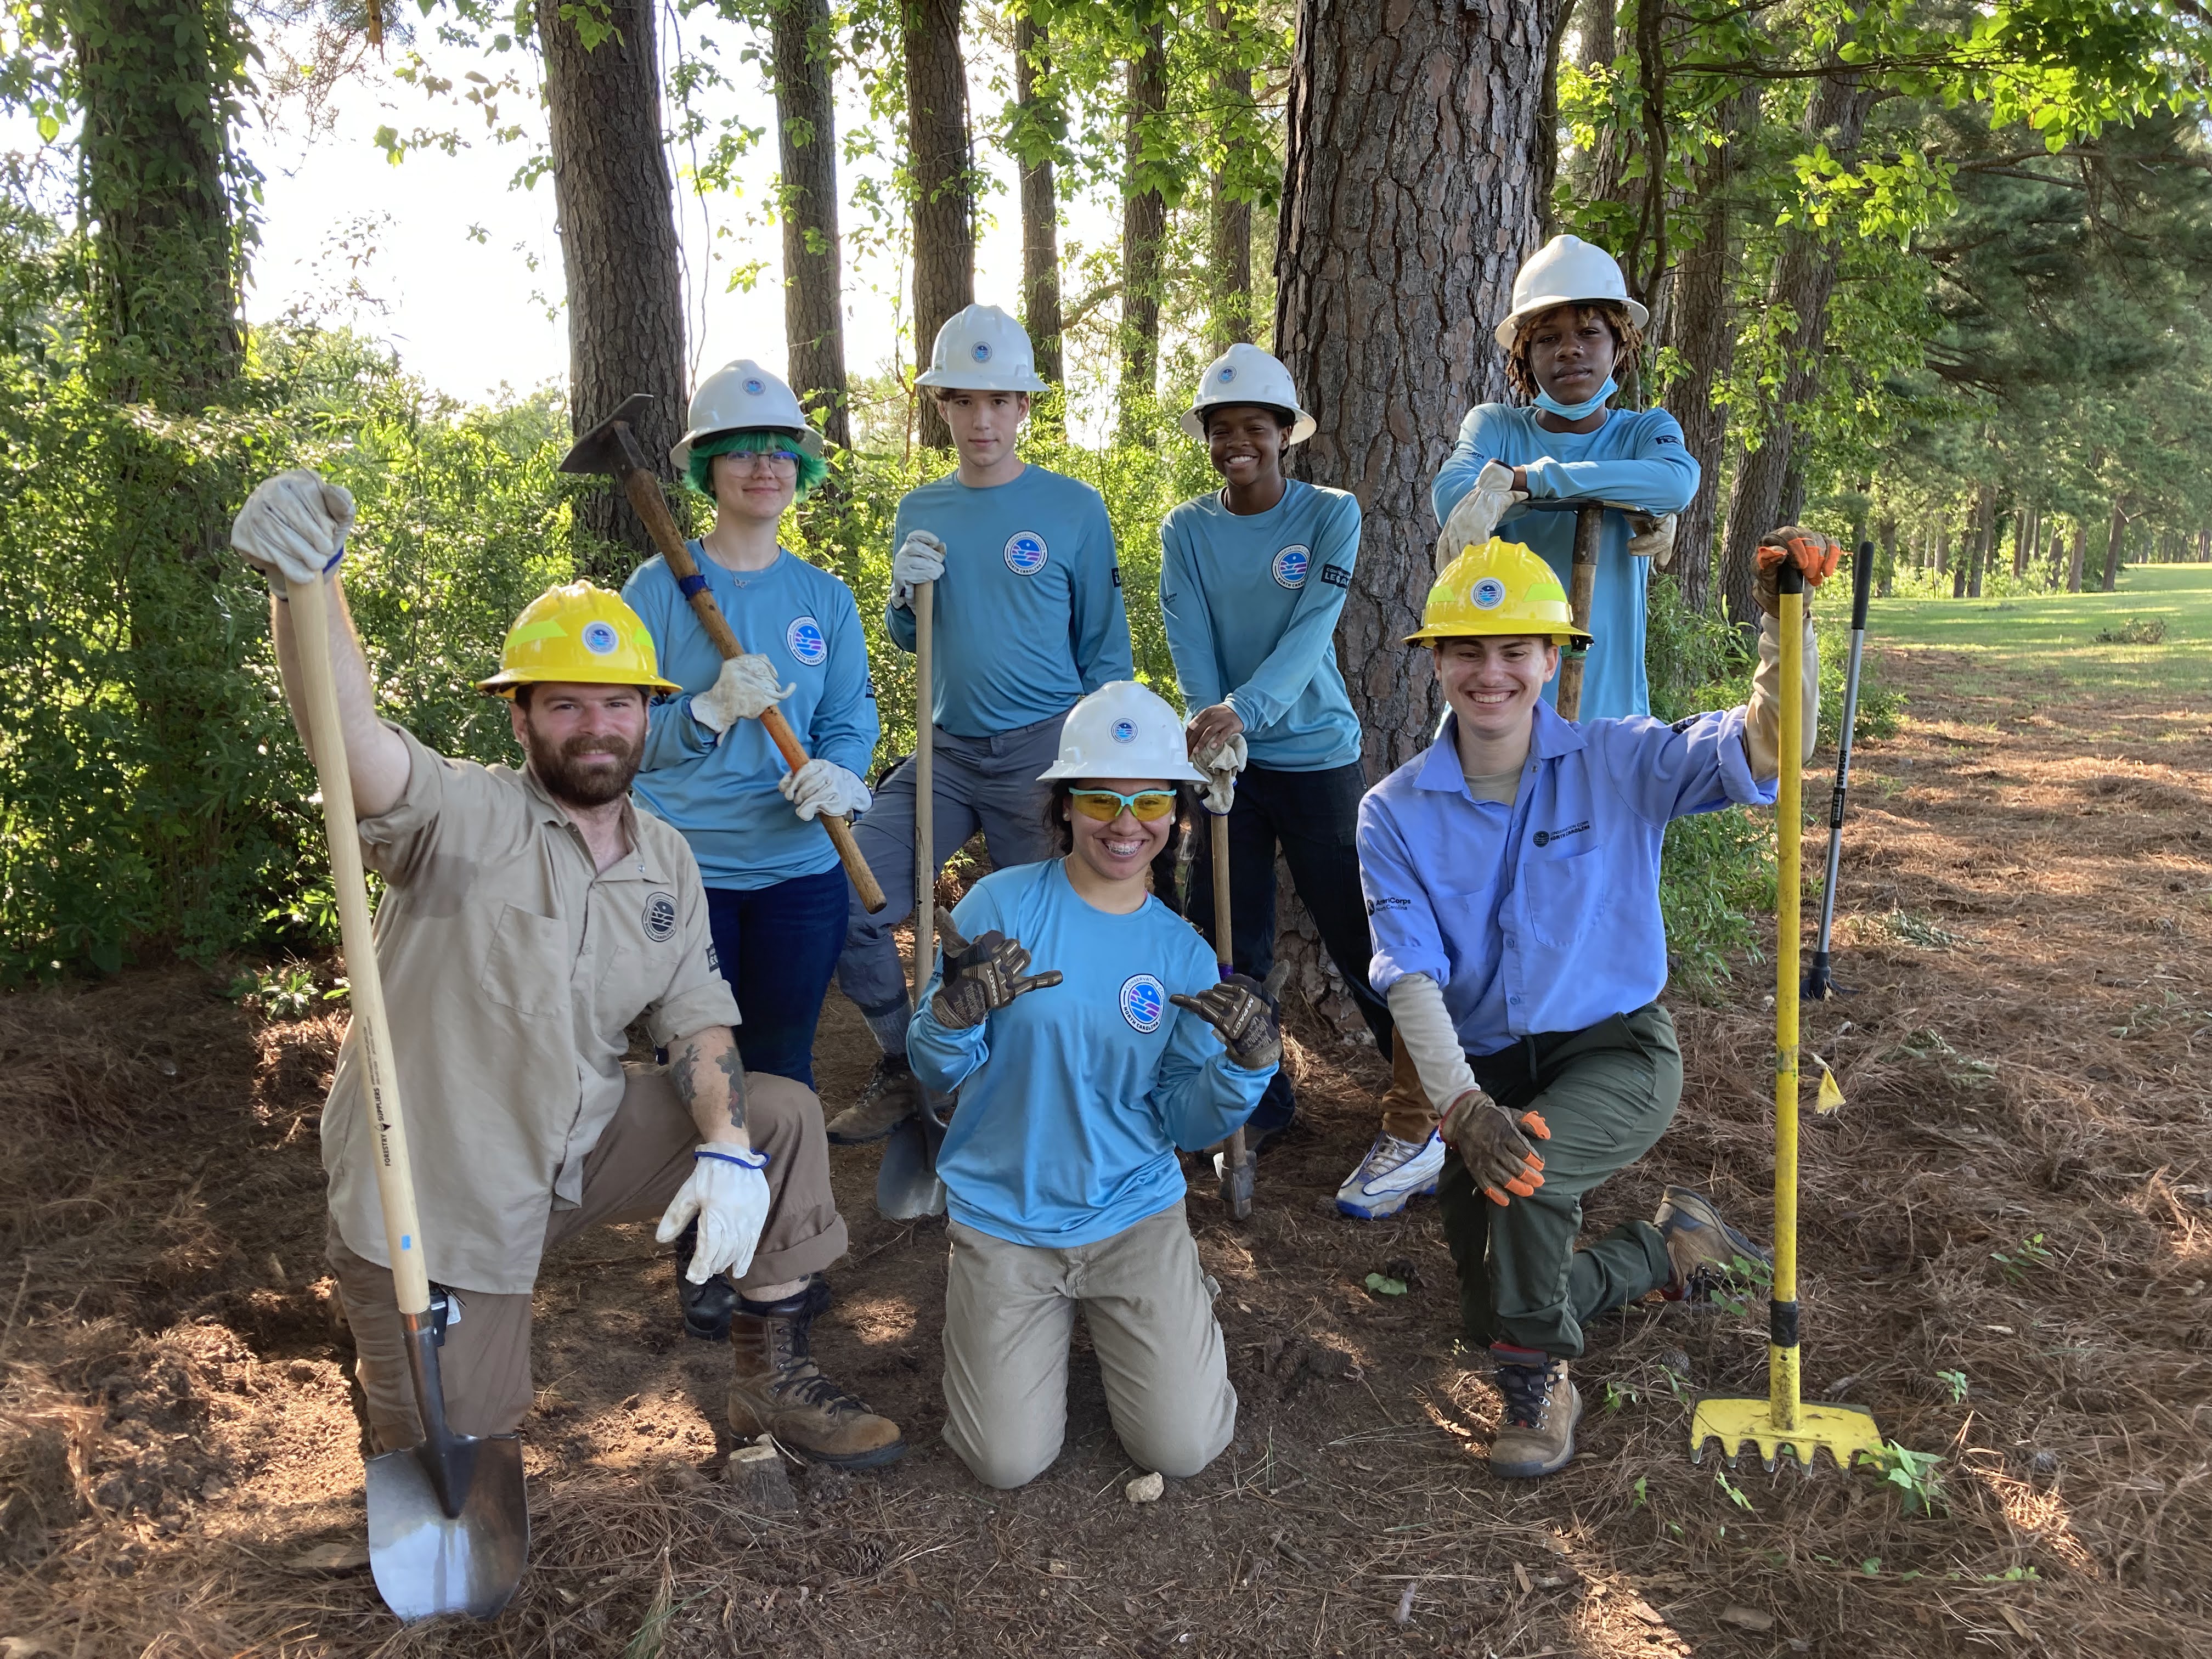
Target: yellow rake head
(1845, 1432)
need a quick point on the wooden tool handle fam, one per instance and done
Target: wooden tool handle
(1222, 952)
(925, 787)
(395, 1177)
(644, 492)
(1590, 528)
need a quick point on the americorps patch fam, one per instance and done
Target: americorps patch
(660, 916)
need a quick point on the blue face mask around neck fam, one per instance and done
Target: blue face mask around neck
(1576, 411)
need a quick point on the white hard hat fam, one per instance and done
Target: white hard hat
(743, 396)
(1566, 271)
(1123, 730)
(981, 349)
(1246, 375)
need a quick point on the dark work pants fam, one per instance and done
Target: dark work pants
(778, 946)
(1606, 1093)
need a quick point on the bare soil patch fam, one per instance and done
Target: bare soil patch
(2008, 1238)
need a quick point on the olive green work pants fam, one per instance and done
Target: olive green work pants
(1607, 1093)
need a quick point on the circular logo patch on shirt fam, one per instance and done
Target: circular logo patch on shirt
(1025, 553)
(1144, 1001)
(601, 638)
(660, 917)
(1292, 565)
(982, 351)
(1488, 593)
(803, 639)
(1123, 731)
(756, 387)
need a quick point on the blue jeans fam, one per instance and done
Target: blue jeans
(778, 946)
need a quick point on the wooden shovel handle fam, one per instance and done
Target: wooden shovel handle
(1589, 527)
(644, 492)
(395, 1176)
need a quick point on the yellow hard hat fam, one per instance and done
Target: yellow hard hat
(580, 635)
(1498, 588)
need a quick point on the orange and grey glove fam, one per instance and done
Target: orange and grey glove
(1238, 1010)
(1814, 555)
(982, 977)
(1490, 1143)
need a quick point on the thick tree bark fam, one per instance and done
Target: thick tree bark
(2073, 559)
(1230, 314)
(1144, 224)
(2026, 537)
(800, 45)
(1601, 44)
(1418, 156)
(944, 187)
(1040, 200)
(1886, 567)
(1984, 546)
(2115, 540)
(616, 200)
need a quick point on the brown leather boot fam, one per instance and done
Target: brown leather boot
(1536, 1430)
(775, 1387)
(892, 1094)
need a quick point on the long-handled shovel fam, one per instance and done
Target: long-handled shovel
(1238, 1167)
(1581, 590)
(448, 1523)
(1818, 983)
(1783, 1422)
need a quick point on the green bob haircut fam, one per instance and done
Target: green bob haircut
(753, 440)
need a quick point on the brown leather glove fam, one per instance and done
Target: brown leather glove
(1490, 1143)
(1238, 1010)
(982, 977)
(1814, 555)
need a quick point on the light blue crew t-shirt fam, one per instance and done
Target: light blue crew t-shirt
(1251, 601)
(722, 794)
(1028, 615)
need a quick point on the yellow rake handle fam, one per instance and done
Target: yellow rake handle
(1782, 1380)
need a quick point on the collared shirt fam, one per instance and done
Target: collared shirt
(1251, 602)
(1542, 915)
(512, 970)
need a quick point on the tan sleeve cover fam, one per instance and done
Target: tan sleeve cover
(1762, 725)
(1424, 1027)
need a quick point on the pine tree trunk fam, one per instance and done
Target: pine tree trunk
(2115, 539)
(2073, 560)
(616, 200)
(1144, 225)
(800, 44)
(1984, 539)
(1230, 314)
(939, 163)
(2026, 536)
(1040, 202)
(1418, 155)
(1886, 567)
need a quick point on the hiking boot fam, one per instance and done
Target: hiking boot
(1706, 1253)
(707, 1307)
(893, 1094)
(1391, 1175)
(1536, 1430)
(776, 1389)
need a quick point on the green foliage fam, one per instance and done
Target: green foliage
(1915, 1475)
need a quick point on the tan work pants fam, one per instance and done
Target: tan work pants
(1010, 1313)
(641, 1160)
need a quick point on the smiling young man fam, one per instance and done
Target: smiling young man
(1512, 877)
(1028, 618)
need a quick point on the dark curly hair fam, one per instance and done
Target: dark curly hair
(1627, 338)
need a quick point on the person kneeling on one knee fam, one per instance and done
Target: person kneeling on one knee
(1512, 877)
(1077, 1084)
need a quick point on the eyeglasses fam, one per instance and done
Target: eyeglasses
(763, 460)
(1146, 805)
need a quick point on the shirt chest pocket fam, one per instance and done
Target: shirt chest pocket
(1567, 897)
(527, 967)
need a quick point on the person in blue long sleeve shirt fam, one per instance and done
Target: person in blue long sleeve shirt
(1512, 877)
(1077, 1085)
(1572, 331)
(1028, 617)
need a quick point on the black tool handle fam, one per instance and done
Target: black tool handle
(1862, 585)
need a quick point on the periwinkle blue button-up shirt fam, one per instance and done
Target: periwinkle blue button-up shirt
(1542, 915)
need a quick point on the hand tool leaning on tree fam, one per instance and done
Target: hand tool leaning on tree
(448, 1523)
(612, 447)
(1818, 983)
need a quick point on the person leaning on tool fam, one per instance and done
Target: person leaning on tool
(1253, 577)
(1077, 1085)
(1571, 330)
(529, 916)
(1028, 617)
(777, 896)
(1512, 877)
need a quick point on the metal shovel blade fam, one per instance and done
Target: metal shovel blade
(426, 1562)
(907, 1187)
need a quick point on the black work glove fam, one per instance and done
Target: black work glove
(1490, 1143)
(1238, 1010)
(981, 977)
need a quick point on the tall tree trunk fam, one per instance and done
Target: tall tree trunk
(1601, 44)
(2026, 537)
(1803, 279)
(1983, 546)
(1886, 567)
(1144, 225)
(1041, 123)
(1229, 316)
(616, 200)
(2115, 540)
(944, 184)
(2073, 559)
(1418, 154)
(800, 44)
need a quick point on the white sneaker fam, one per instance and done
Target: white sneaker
(1393, 1172)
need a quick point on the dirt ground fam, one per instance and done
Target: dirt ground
(2008, 1237)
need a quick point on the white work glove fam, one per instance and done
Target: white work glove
(293, 527)
(1652, 538)
(729, 1195)
(1221, 762)
(921, 558)
(1474, 519)
(744, 691)
(821, 786)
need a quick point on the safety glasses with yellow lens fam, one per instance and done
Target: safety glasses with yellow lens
(1146, 805)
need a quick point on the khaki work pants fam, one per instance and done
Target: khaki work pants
(1010, 1313)
(641, 1160)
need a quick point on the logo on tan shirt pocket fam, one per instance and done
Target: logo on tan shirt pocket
(660, 917)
